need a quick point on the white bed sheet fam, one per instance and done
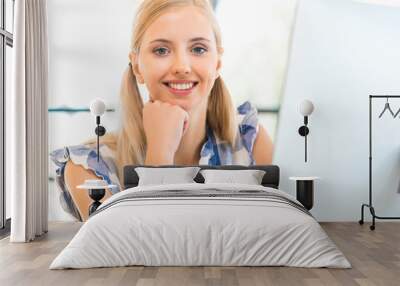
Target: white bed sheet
(200, 231)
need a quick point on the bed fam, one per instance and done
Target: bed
(201, 223)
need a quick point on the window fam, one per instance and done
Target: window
(6, 44)
(256, 36)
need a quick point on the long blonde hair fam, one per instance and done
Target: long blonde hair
(129, 144)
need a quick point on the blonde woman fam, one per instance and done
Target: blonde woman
(189, 119)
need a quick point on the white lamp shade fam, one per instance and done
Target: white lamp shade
(97, 107)
(306, 107)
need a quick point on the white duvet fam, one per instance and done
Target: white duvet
(182, 231)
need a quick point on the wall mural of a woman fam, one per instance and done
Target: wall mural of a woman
(260, 56)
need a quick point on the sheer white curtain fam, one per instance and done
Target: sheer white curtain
(28, 122)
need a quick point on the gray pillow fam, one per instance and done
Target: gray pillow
(162, 176)
(249, 177)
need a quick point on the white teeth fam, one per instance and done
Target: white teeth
(181, 86)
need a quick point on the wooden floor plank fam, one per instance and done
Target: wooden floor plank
(374, 255)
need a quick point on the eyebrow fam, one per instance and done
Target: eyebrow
(191, 40)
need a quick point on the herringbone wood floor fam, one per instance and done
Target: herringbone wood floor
(374, 255)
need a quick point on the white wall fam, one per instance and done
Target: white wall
(342, 51)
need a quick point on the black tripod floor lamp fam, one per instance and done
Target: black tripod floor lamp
(370, 204)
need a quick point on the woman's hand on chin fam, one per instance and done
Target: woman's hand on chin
(164, 125)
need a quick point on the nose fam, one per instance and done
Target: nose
(181, 64)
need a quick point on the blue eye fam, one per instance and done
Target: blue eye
(160, 51)
(199, 50)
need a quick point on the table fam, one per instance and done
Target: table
(305, 190)
(96, 190)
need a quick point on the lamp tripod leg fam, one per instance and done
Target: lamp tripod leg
(361, 221)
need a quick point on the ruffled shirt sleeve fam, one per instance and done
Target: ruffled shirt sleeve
(217, 152)
(248, 131)
(87, 157)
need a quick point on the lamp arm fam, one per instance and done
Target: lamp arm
(305, 146)
(305, 138)
(98, 147)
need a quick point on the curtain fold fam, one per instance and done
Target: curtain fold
(29, 127)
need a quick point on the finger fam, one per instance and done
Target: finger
(186, 114)
(186, 118)
(185, 126)
(186, 122)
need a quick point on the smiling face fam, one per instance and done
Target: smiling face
(178, 59)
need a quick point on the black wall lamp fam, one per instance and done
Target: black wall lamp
(97, 108)
(306, 108)
(97, 187)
